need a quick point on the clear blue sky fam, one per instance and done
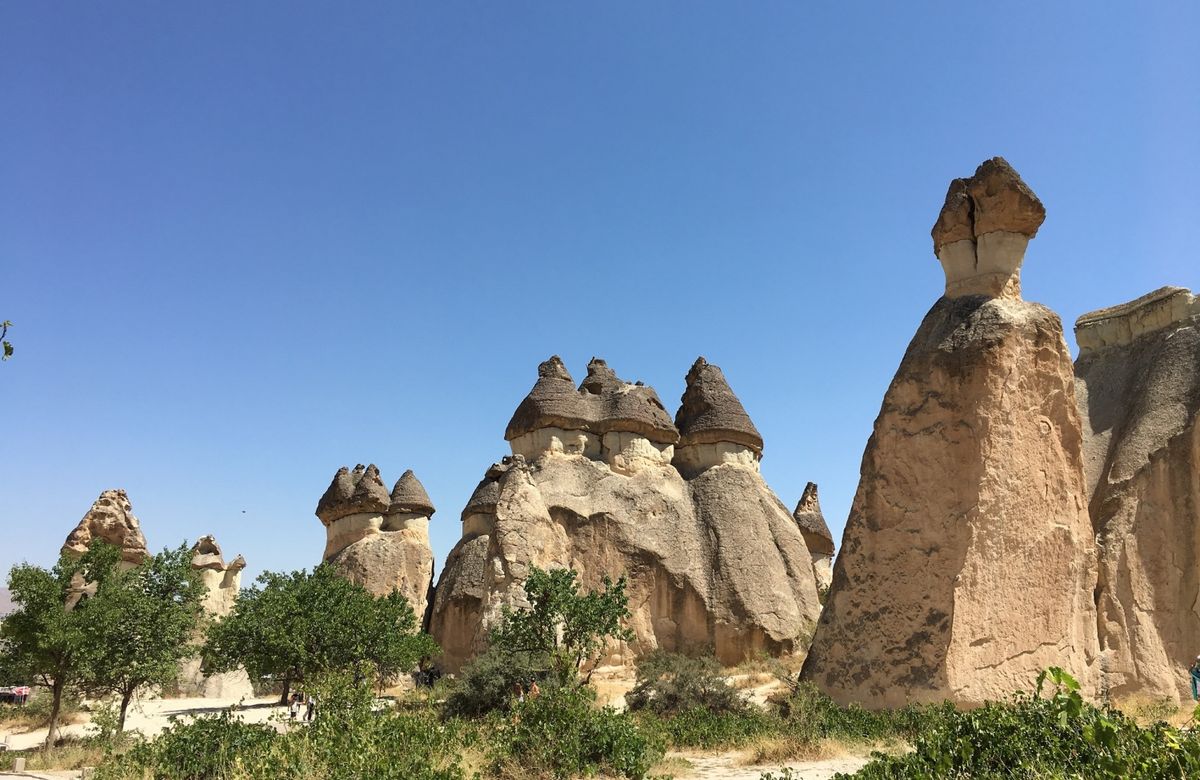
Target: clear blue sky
(246, 243)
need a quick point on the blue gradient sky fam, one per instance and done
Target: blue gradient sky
(246, 243)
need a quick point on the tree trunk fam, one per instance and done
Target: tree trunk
(287, 688)
(125, 697)
(56, 693)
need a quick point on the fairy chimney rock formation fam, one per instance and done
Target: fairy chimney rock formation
(110, 519)
(379, 539)
(713, 425)
(813, 528)
(222, 583)
(606, 418)
(1137, 380)
(968, 563)
(712, 557)
(982, 231)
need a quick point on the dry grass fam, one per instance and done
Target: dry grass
(671, 766)
(19, 720)
(781, 749)
(1146, 710)
(67, 754)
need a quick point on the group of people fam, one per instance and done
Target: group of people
(297, 700)
(520, 692)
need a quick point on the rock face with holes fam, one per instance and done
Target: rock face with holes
(602, 480)
(222, 583)
(379, 539)
(1137, 379)
(110, 519)
(967, 564)
(815, 531)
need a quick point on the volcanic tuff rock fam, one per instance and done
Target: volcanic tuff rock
(222, 583)
(982, 231)
(111, 519)
(811, 523)
(712, 561)
(1137, 380)
(377, 539)
(967, 563)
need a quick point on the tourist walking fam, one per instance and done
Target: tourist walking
(312, 707)
(294, 707)
(1194, 671)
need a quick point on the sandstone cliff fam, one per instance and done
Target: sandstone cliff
(379, 539)
(1138, 384)
(110, 519)
(596, 483)
(811, 522)
(967, 564)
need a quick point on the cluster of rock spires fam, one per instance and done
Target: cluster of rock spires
(601, 480)
(1015, 511)
(111, 519)
(379, 539)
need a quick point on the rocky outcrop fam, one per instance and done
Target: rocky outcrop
(967, 564)
(817, 537)
(379, 539)
(595, 483)
(222, 583)
(110, 519)
(1137, 379)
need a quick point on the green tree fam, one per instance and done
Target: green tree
(141, 622)
(42, 642)
(292, 626)
(563, 630)
(5, 344)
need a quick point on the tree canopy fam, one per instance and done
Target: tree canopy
(292, 626)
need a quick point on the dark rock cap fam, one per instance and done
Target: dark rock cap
(483, 500)
(812, 523)
(603, 403)
(995, 198)
(710, 412)
(409, 495)
(553, 402)
(352, 492)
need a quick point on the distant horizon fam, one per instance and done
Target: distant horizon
(241, 248)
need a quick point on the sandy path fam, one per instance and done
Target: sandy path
(154, 715)
(724, 766)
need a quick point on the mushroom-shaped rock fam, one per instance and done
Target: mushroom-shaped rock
(982, 230)
(623, 407)
(484, 499)
(111, 519)
(552, 403)
(336, 496)
(409, 496)
(353, 492)
(812, 522)
(711, 413)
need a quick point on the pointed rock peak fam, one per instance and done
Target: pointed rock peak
(238, 564)
(337, 495)
(409, 495)
(553, 402)
(812, 522)
(710, 412)
(554, 369)
(110, 518)
(994, 199)
(370, 494)
(600, 378)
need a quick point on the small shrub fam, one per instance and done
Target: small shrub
(562, 734)
(669, 683)
(702, 728)
(1032, 735)
(487, 684)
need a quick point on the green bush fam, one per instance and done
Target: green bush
(1035, 736)
(808, 710)
(562, 734)
(670, 683)
(487, 684)
(701, 728)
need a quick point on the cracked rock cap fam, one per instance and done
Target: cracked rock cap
(409, 496)
(994, 199)
(812, 522)
(710, 412)
(351, 492)
(602, 403)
